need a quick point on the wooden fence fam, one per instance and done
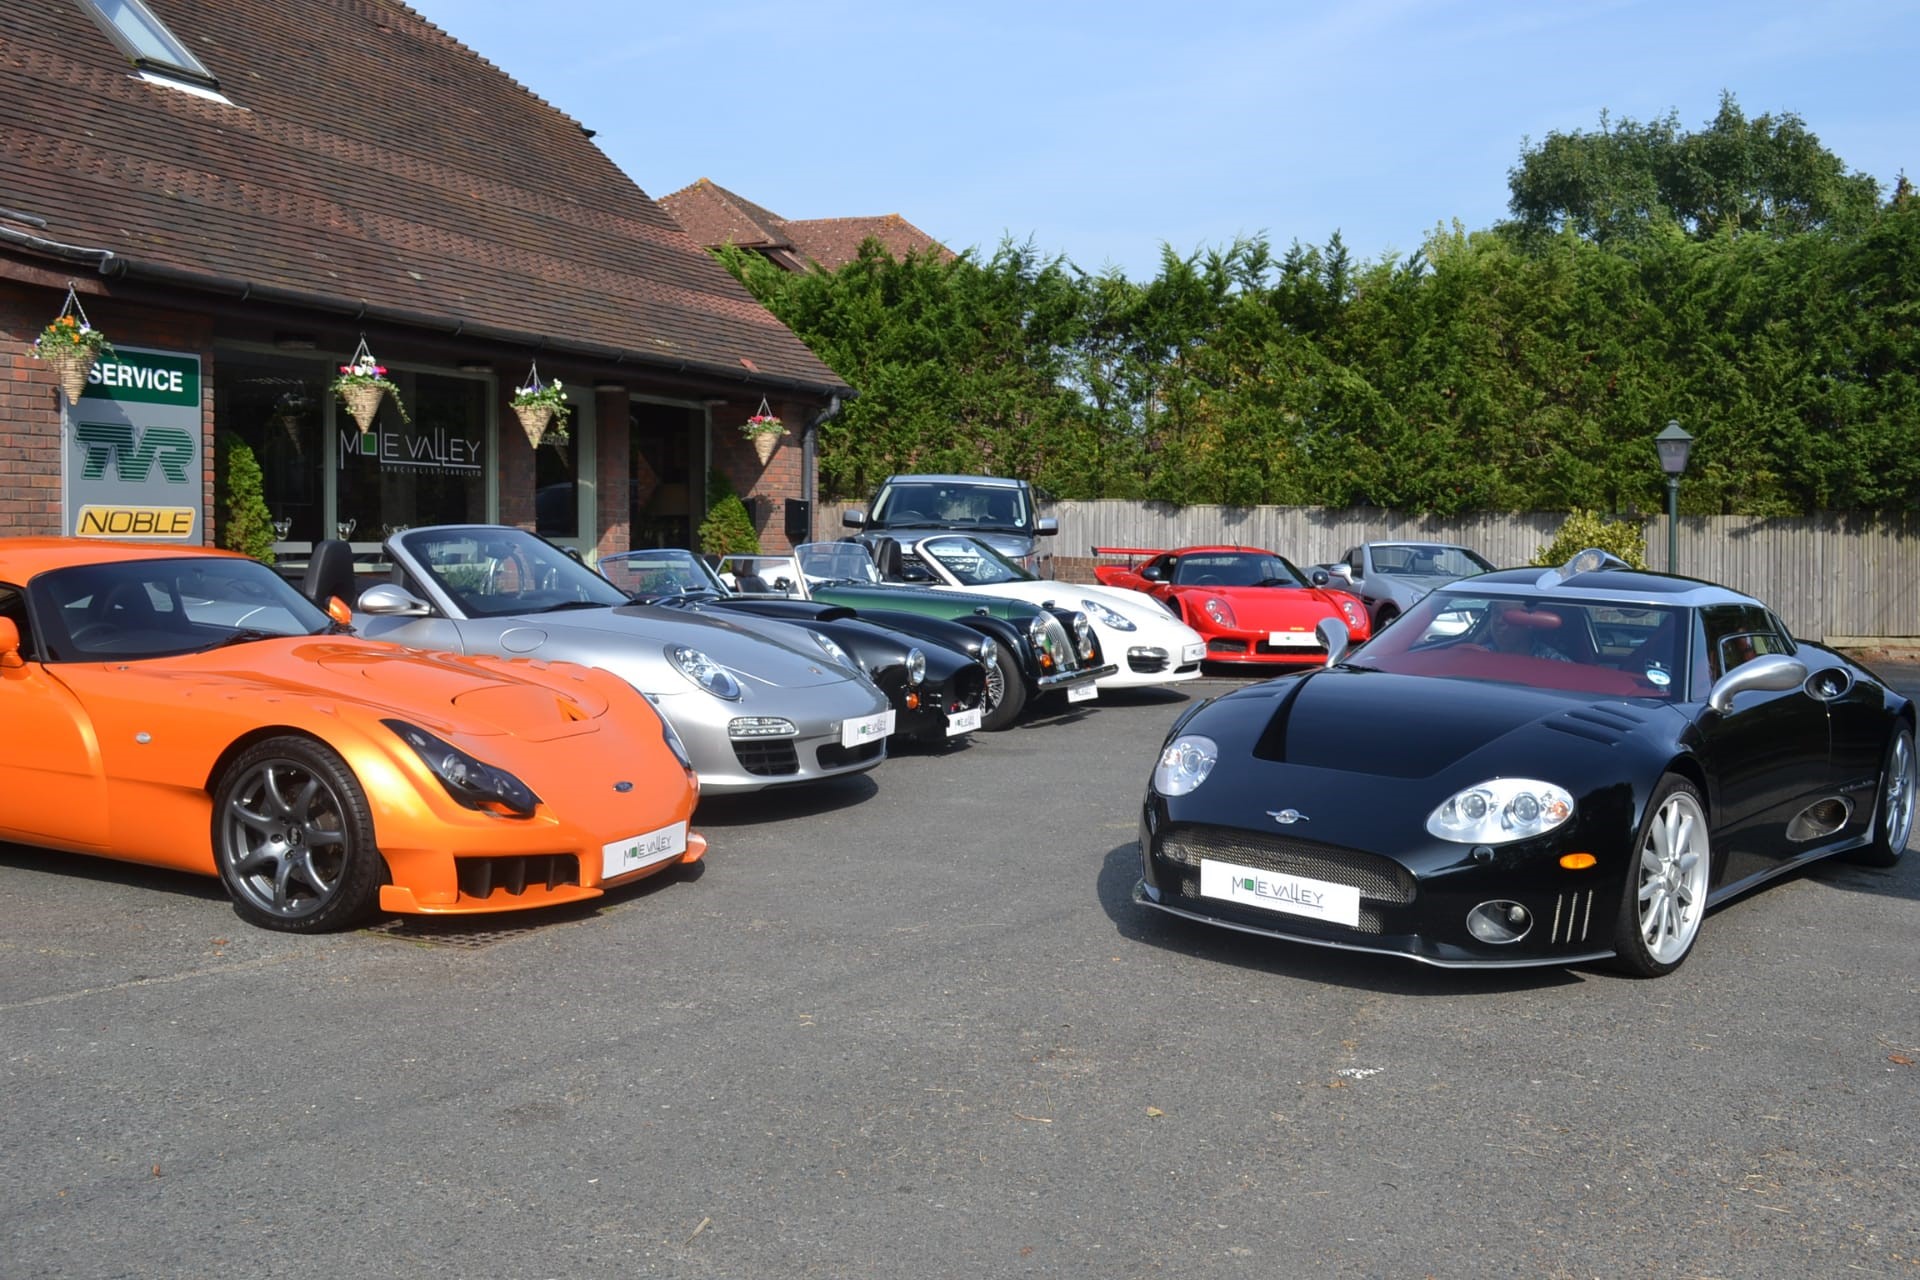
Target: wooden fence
(1830, 577)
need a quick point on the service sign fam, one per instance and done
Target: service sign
(132, 465)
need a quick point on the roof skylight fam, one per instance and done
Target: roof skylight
(146, 40)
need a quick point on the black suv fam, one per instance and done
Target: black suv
(998, 511)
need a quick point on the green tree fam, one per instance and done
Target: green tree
(728, 528)
(1626, 180)
(246, 525)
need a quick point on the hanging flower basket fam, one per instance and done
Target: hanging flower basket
(542, 409)
(362, 384)
(764, 428)
(534, 419)
(363, 402)
(71, 345)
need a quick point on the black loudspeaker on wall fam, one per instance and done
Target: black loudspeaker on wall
(799, 521)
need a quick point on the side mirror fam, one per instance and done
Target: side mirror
(1333, 633)
(1774, 673)
(389, 601)
(10, 644)
(1342, 571)
(1046, 527)
(1320, 577)
(854, 519)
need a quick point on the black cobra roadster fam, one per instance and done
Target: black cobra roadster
(1530, 767)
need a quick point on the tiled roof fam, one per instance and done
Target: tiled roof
(369, 158)
(834, 242)
(715, 216)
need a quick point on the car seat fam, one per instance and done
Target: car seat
(888, 559)
(330, 573)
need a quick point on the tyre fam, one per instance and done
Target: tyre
(293, 838)
(1387, 614)
(1665, 894)
(1006, 693)
(1893, 807)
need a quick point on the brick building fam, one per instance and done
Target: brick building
(715, 216)
(242, 191)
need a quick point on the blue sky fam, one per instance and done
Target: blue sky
(1100, 132)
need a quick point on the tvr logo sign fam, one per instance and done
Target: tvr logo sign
(134, 453)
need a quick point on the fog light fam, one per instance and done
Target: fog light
(1499, 922)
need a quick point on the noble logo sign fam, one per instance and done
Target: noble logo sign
(132, 466)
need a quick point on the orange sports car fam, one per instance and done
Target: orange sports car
(189, 708)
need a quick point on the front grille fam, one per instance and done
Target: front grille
(1147, 662)
(1055, 641)
(1379, 880)
(480, 877)
(835, 756)
(767, 757)
(1303, 651)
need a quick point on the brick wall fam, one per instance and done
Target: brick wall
(31, 400)
(783, 475)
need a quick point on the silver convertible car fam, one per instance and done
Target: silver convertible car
(751, 709)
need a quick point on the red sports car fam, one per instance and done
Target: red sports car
(1253, 606)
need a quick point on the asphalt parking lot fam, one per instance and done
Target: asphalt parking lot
(911, 1025)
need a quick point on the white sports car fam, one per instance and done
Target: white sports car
(1147, 644)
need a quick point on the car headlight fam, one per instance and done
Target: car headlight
(989, 651)
(1185, 764)
(1220, 611)
(704, 672)
(1355, 618)
(832, 649)
(916, 665)
(1083, 636)
(1107, 617)
(1501, 811)
(472, 782)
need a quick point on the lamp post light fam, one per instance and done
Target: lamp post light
(1673, 444)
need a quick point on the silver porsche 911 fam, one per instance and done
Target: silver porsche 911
(752, 710)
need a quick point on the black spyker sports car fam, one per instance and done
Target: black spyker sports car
(1529, 767)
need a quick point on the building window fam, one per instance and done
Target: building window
(278, 408)
(431, 470)
(146, 40)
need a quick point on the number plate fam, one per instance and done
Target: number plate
(1083, 692)
(623, 856)
(1273, 891)
(866, 729)
(1193, 653)
(963, 722)
(1293, 640)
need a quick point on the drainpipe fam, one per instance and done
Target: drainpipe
(810, 458)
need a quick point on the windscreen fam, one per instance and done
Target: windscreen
(153, 608)
(1616, 648)
(950, 504)
(496, 571)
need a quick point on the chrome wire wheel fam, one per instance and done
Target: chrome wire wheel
(996, 687)
(293, 839)
(1672, 879)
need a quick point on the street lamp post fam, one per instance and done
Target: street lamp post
(1673, 444)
